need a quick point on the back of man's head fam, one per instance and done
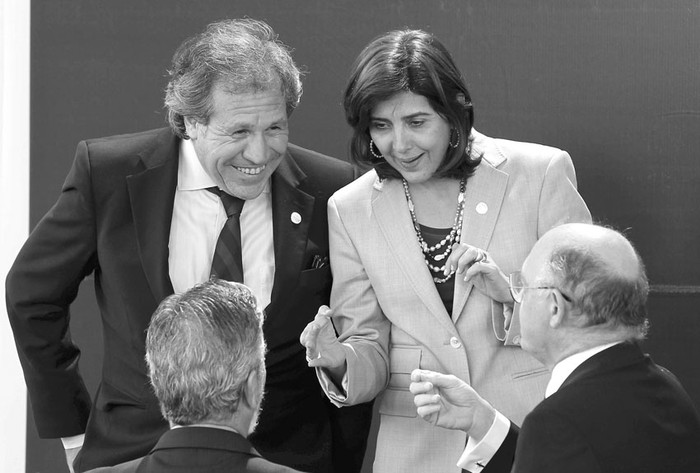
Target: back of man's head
(202, 347)
(602, 274)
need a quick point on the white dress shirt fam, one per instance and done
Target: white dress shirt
(476, 455)
(198, 217)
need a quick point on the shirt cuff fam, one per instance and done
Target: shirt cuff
(478, 454)
(75, 441)
(337, 396)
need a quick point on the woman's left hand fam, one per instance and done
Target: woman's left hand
(474, 265)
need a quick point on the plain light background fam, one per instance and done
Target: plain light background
(14, 215)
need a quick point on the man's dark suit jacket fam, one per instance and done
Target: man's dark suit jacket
(617, 412)
(199, 450)
(112, 219)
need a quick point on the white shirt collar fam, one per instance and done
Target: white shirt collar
(210, 426)
(191, 175)
(565, 367)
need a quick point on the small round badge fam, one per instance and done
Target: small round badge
(482, 208)
(296, 218)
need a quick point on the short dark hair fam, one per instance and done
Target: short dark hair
(201, 347)
(243, 55)
(604, 296)
(409, 61)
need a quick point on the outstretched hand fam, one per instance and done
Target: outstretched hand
(447, 401)
(323, 350)
(476, 266)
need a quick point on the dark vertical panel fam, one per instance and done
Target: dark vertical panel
(617, 84)
(672, 340)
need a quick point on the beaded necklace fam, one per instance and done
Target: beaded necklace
(438, 253)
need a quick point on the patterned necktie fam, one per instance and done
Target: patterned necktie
(227, 262)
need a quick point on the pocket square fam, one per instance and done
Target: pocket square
(319, 262)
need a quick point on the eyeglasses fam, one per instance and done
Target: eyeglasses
(517, 287)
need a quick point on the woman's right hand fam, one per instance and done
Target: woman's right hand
(476, 266)
(323, 350)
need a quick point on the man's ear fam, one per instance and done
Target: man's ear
(556, 304)
(191, 127)
(254, 385)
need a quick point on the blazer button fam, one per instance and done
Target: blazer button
(454, 341)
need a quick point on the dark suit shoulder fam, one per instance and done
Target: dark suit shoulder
(632, 415)
(130, 140)
(260, 465)
(126, 467)
(132, 147)
(321, 170)
(228, 462)
(108, 160)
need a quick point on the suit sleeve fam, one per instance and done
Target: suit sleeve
(559, 203)
(548, 443)
(502, 461)
(362, 327)
(40, 287)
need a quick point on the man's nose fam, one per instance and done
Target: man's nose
(257, 149)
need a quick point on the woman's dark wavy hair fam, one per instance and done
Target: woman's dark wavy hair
(409, 61)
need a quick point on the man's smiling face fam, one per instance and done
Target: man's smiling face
(244, 141)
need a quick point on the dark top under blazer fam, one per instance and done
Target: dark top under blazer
(617, 412)
(112, 219)
(199, 450)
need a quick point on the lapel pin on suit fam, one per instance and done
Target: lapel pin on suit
(295, 218)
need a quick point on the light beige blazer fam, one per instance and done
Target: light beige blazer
(391, 319)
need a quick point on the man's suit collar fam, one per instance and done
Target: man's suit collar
(205, 437)
(289, 170)
(611, 359)
(563, 369)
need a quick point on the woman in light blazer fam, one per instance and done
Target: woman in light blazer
(420, 247)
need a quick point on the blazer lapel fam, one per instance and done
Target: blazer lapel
(483, 199)
(289, 231)
(152, 194)
(392, 216)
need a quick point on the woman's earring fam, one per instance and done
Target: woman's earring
(459, 137)
(371, 150)
(468, 149)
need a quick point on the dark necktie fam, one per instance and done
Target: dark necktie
(227, 262)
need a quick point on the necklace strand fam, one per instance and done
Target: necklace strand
(433, 255)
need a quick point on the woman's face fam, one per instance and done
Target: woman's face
(410, 135)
